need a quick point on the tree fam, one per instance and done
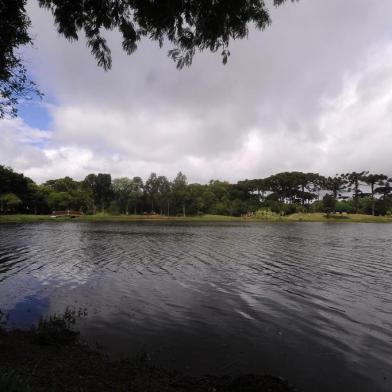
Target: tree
(9, 202)
(14, 81)
(354, 180)
(164, 192)
(89, 184)
(335, 184)
(151, 188)
(137, 192)
(372, 180)
(283, 193)
(17, 184)
(189, 26)
(104, 189)
(59, 200)
(66, 184)
(385, 188)
(180, 190)
(293, 187)
(122, 188)
(329, 203)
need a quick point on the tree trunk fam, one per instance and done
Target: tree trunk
(356, 196)
(373, 201)
(183, 209)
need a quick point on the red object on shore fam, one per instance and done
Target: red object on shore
(70, 213)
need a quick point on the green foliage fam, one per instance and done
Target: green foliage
(189, 26)
(335, 184)
(282, 194)
(289, 209)
(58, 330)
(59, 200)
(266, 213)
(317, 206)
(14, 33)
(10, 381)
(329, 204)
(365, 205)
(383, 206)
(9, 202)
(180, 192)
(354, 181)
(238, 208)
(114, 208)
(123, 189)
(281, 208)
(344, 207)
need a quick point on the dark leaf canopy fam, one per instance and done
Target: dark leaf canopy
(190, 26)
(14, 82)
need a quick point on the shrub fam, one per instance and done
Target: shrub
(12, 382)
(265, 213)
(57, 329)
(344, 206)
(329, 203)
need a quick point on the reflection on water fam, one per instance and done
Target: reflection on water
(310, 302)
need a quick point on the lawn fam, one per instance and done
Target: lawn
(298, 217)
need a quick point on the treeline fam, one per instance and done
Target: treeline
(282, 193)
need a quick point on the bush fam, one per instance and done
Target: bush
(113, 208)
(329, 203)
(289, 209)
(365, 205)
(12, 382)
(58, 329)
(281, 208)
(220, 208)
(238, 207)
(383, 206)
(265, 213)
(344, 206)
(317, 206)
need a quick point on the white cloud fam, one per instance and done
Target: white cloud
(312, 93)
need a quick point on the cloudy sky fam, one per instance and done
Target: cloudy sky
(313, 93)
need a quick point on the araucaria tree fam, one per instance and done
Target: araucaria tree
(354, 180)
(372, 180)
(281, 193)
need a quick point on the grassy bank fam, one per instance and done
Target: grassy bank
(43, 361)
(319, 217)
(118, 218)
(299, 217)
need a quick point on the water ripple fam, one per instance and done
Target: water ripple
(271, 293)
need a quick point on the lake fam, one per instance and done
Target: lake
(311, 302)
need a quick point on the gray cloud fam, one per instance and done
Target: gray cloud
(312, 93)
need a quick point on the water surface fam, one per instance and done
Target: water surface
(311, 302)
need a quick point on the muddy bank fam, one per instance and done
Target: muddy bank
(34, 361)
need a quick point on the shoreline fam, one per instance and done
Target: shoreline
(38, 361)
(298, 217)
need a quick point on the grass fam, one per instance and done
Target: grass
(61, 363)
(298, 217)
(22, 218)
(320, 217)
